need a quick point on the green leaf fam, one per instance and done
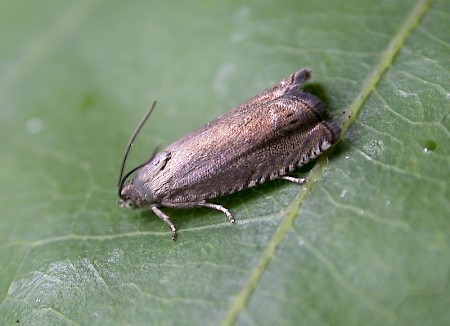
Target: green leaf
(365, 241)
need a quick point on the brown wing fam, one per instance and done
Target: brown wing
(249, 145)
(289, 83)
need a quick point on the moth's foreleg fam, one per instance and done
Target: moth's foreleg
(163, 217)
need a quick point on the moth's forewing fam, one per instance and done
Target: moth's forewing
(249, 145)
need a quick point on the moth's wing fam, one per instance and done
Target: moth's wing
(293, 81)
(250, 146)
(287, 85)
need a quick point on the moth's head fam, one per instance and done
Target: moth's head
(129, 197)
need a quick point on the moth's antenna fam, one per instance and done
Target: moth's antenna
(130, 143)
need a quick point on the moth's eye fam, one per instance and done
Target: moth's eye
(126, 203)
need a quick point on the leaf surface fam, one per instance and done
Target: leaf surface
(365, 241)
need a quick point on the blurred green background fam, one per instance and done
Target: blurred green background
(365, 241)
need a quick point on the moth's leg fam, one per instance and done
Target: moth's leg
(219, 208)
(163, 217)
(201, 204)
(293, 179)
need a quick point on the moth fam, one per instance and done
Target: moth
(264, 138)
